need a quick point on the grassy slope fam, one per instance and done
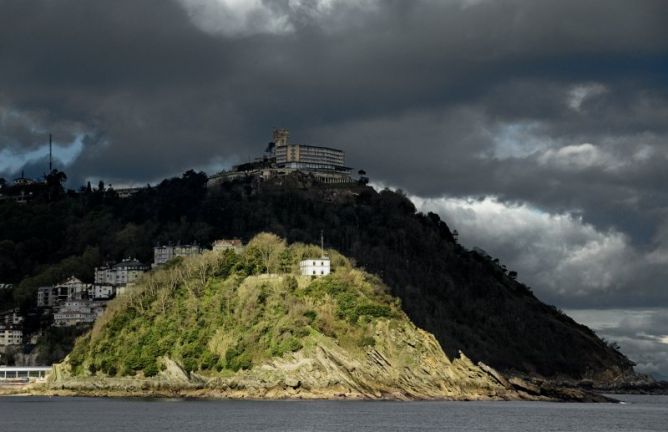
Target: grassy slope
(226, 320)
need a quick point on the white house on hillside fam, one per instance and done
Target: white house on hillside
(315, 267)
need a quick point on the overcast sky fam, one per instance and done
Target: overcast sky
(537, 129)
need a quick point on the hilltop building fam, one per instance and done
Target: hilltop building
(24, 181)
(163, 254)
(127, 192)
(325, 164)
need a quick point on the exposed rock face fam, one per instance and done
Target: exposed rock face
(406, 363)
(411, 365)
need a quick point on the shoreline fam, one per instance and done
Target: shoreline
(281, 394)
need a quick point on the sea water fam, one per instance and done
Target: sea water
(64, 414)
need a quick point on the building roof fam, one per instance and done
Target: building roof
(128, 262)
(71, 280)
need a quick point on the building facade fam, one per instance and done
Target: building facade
(103, 292)
(10, 336)
(234, 244)
(72, 313)
(71, 289)
(306, 157)
(325, 164)
(315, 267)
(163, 254)
(123, 273)
(11, 318)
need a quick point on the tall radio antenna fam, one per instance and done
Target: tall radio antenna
(50, 154)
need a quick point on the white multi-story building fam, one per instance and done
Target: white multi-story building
(10, 336)
(163, 254)
(315, 267)
(123, 273)
(77, 312)
(306, 157)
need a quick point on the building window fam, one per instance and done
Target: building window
(313, 271)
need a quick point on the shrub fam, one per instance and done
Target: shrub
(189, 364)
(209, 360)
(236, 359)
(291, 284)
(374, 310)
(367, 341)
(310, 315)
(151, 369)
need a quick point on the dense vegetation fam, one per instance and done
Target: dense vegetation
(468, 301)
(224, 312)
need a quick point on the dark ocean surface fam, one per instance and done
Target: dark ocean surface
(638, 413)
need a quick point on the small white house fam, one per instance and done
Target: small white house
(315, 267)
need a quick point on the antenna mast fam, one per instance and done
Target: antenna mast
(322, 243)
(50, 154)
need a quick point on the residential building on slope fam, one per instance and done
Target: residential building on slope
(72, 313)
(122, 273)
(11, 317)
(71, 289)
(10, 335)
(234, 244)
(163, 254)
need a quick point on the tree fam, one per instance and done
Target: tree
(54, 183)
(363, 180)
(56, 178)
(269, 248)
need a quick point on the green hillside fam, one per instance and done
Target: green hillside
(469, 302)
(249, 325)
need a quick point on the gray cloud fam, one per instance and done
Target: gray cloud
(642, 332)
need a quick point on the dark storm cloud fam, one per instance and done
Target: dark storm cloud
(557, 105)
